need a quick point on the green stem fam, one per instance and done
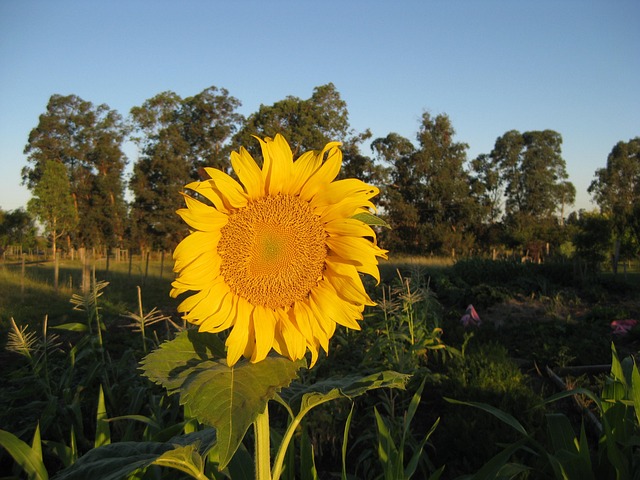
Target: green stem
(278, 462)
(263, 454)
(186, 467)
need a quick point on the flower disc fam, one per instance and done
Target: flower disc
(273, 251)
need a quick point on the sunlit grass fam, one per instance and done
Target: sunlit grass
(29, 297)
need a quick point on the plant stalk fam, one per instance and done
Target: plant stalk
(262, 447)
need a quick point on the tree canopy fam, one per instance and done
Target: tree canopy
(435, 199)
(176, 138)
(87, 140)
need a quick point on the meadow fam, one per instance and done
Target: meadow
(542, 387)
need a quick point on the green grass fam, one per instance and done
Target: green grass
(575, 328)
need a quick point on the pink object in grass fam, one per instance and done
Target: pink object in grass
(622, 327)
(470, 317)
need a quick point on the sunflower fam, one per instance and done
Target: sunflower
(277, 256)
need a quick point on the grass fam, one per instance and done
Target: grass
(533, 315)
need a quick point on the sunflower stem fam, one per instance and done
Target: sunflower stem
(263, 460)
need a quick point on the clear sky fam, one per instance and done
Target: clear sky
(491, 65)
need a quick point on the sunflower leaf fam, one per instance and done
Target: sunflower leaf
(371, 219)
(118, 460)
(227, 398)
(304, 397)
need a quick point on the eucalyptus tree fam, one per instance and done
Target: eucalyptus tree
(310, 124)
(306, 124)
(533, 172)
(429, 200)
(176, 137)
(616, 190)
(17, 227)
(487, 188)
(52, 203)
(535, 181)
(87, 140)
(399, 196)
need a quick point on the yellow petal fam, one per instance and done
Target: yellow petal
(324, 175)
(346, 188)
(230, 191)
(192, 247)
(302, 169)
(340, 312)
(206, 190)
(248, 172)
(347, 283)
(349, 227)
(264, 324)
(238, 338)
(190, 302)
(343, 209)
(222, 318)
(278, 163)
(300, 315)
(294, 340)
(202, 217)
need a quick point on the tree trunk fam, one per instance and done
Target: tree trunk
(616, 256)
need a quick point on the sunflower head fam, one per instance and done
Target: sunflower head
(276, 256)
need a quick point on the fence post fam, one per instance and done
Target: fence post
(22, 276)
(146, 268)
(56, 270)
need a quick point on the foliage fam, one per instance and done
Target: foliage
(428, 203)
(17, 228)
(307, 124)
(567, 455)
(52, 202)
(478, 368)
(533, 172)
(616, 188)
(391, 454)
(88, 141)
(176, 137)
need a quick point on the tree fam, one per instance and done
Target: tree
(52, 202)
(487, 187)
(87, 140)
(448, 210)
(16, 228)
(428, 203)
(535, 181)
(592, 238)
(176, 137)
(397, 199)
(616, 190)
(306, 124)
(533, 172)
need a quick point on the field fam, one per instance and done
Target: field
(540, 325)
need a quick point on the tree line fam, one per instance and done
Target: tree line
(437, 201)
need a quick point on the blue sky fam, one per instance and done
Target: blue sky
(492, 66)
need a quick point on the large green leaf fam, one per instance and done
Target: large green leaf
(28, 458)
(117, 460)
(227, 398)
(304, 397)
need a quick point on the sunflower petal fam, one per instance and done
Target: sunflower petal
(264, 324)
(249, 173)
(325, 174)
(239, 337)
(278, 163)
(231, 192)
(346, 188)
